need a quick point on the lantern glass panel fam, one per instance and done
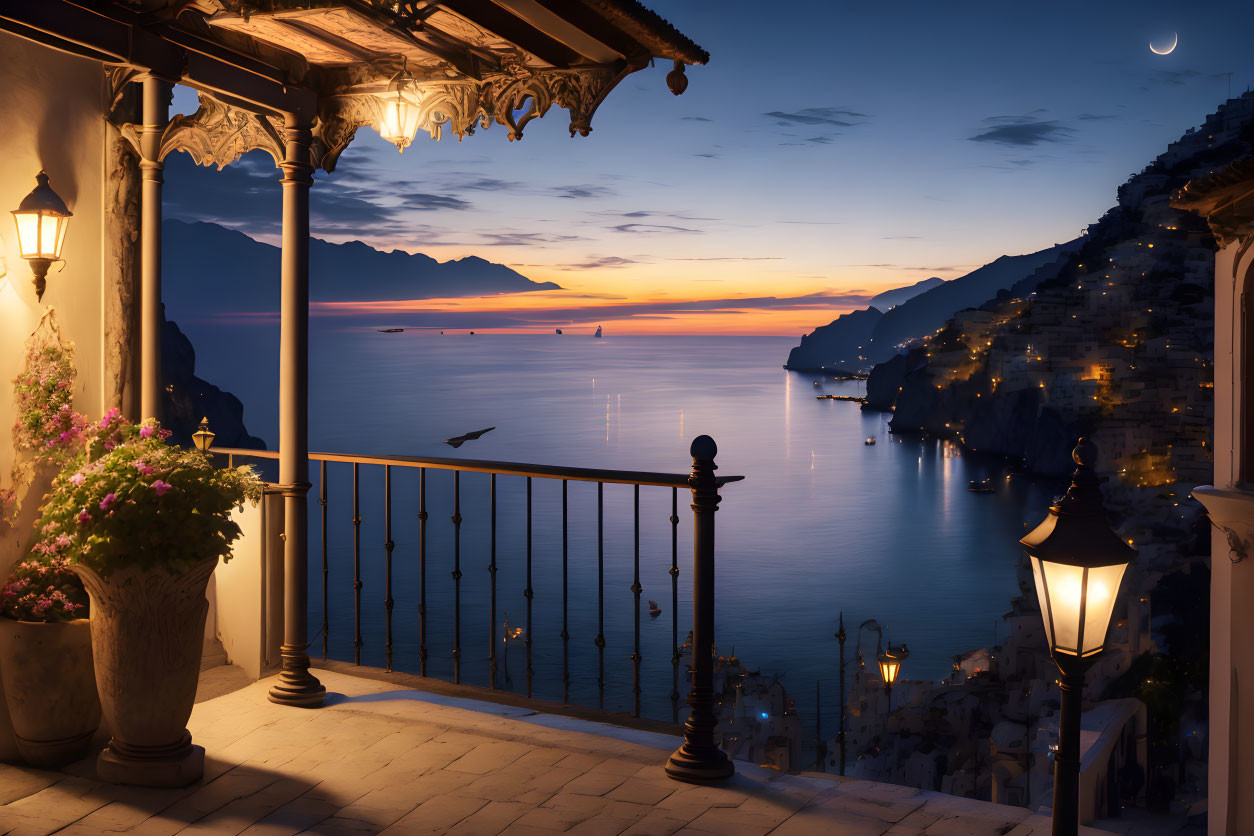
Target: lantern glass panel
(1060, 602)
(398, 122)
(28, 234)
(62, 225)
(1103, 587)
(889, 669)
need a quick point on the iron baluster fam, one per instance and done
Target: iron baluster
(565, 602)
(700, 759)
(322, 500)
(356, 568)
(529, 592)
(422, 571)
(674, 572)
(600, 639)
(457, 577)
(636, 590)
(492, 582)
(388, 546)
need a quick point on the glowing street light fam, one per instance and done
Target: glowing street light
(1078, 562)
(41, 219)
(890, 665)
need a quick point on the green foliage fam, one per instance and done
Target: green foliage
(130, 499)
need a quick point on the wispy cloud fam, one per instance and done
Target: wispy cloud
(835, 116)
(641, 229)
(1022, 131)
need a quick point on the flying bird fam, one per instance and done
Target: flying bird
(458, 441)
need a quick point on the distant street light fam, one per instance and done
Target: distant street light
(890, 665)
(41, 219)
(1078, 562)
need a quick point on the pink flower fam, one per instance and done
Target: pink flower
(107, 501)
(143, 469)
(84, 517)
(146, 432)
(161, 487)
(110, 416)
(77, 479)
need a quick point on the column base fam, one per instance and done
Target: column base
(702, 767)
(122, 764)
(297, 687)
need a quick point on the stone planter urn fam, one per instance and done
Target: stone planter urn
(50, 689)
(147, 636)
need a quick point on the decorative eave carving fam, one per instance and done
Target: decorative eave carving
(216, 134)
(219, 133)
(461, 108)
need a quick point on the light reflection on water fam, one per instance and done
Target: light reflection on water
(822, 522)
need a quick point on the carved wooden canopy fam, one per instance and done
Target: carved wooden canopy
(473, 62)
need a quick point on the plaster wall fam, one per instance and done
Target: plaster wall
(1231, 753)
(51, 107)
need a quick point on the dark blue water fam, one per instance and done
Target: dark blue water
(822, 522)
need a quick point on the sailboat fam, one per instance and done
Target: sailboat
(598, 333)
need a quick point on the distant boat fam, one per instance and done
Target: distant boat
(654, 609)
(816, 384)
(870, 441)
(598, 333)
(559, 332)
(472, 333)
(981, 486)
(393, 330)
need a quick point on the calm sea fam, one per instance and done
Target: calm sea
(822, 523)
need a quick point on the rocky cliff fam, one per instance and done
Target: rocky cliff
(187, 398)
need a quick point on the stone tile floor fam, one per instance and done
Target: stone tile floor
(384, 759)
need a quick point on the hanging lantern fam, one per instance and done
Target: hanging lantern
(399, 111)
(41, 221)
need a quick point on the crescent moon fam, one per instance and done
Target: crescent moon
(1175, 39)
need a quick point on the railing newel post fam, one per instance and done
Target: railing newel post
(699, 759)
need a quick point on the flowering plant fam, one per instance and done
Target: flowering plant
(46, 421)
(130, 499)
(44, 590)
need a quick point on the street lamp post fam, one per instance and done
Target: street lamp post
(1078, 562)
(890, 666)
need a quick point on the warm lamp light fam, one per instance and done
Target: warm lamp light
(399, 111)
(41, 221)
(1078, 563)
(203, 437)
(890, 664)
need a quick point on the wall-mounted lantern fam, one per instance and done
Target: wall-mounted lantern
(399, 111)
(41, 221)
(203, 437)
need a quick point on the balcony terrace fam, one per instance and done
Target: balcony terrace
(398, 754)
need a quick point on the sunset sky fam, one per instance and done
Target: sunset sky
(827, 152)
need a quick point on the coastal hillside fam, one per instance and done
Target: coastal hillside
(841, 344)
(900, 295)
(1118, 346)
(245, 273)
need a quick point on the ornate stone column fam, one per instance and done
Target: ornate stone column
(156, 115)
(296, 686)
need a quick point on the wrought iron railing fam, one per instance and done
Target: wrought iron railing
(701, 481)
